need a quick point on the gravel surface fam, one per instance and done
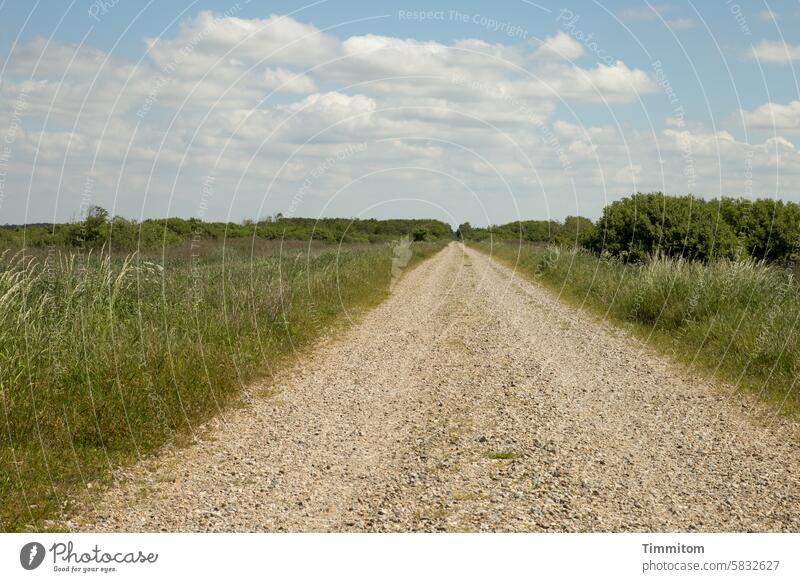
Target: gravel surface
(473, 400)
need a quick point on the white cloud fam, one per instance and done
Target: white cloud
(560, 46)
(777, 52)
(242, 98)
(649, 12)
(774, 116)
(655, 12)
(768, 16)
(615, 83)
(284, 81)
(629, 173)
(202, 42)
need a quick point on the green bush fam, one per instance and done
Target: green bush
(767, 229)
(637, 227)
(576, 230)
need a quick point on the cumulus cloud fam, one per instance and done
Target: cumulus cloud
(777, 52)
(267, 105)
(774, 116)
(654, 12)
(560, 46)
(210, 40)
(284, 81)
(615, 83)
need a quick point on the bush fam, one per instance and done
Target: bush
(576, 230)
(676, 226)
(767, 229)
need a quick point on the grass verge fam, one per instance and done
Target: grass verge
(733, 321)
(104, 359)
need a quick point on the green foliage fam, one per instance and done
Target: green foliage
(766, 229)
(678, 226)
(574, 228)
(464, 231)
(642, 225)
(122, 235)
(92, 230)
(422, 234)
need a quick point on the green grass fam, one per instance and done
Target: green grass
(502, 455)
(734, 321)
(104, 359)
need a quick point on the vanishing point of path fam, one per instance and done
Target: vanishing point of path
(473, 400)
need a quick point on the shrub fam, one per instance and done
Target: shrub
(677, 226)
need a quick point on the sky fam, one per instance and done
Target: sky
(485, 112)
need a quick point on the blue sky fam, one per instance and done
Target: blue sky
(504, 110)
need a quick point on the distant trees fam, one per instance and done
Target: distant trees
(639, 226)
(353, 230)
(464, 231)
(631, 229)
(97, 229)
(576, 230)
(421, 234)
(530, 231)
(93, 228)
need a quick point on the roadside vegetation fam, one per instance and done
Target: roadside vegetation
(712, 284)
(99, 228)
(104, 357)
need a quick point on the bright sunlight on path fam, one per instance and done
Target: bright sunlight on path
(473, 400)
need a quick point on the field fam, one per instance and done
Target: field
(734, 320)
(108, 355)
(105, 358)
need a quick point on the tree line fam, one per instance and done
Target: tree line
(642, 225)
(98, 228)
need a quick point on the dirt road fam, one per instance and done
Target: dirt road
(473, 400)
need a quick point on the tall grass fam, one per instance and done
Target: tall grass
(735, 320)
(103, 359)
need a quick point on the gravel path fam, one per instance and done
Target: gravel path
(473, 400)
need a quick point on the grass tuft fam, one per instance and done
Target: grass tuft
(502, 455)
